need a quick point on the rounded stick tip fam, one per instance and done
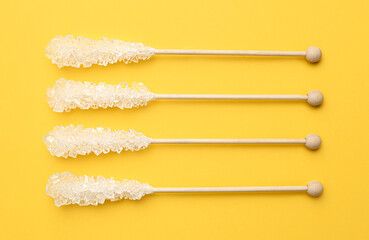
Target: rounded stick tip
(313, 141)
(315, 98)
(315, 188)
(313, 54)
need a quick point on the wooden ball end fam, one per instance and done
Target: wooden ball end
(315, 98)
(315, 188)
(313, 141)
(313, 54)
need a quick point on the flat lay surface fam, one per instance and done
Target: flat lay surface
(339, 28)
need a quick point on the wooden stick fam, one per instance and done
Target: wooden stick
(229, 52)
(312, 54)
(228, 141)
(230, 189)
(313, 188)
(231, 97)
(311, 141)
(313, 97)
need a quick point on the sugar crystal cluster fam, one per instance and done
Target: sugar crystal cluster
(67, 189)
(66, 95)
(70, 51)
(71, 141)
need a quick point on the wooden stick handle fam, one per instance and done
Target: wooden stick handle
(229, 52)
(228, 141)
(313, 97)
(312, 54)
(230, 189)
(313, 188)
(312, 141)
(230, 97)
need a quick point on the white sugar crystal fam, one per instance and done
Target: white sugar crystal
(70, 51)
(66, 95)
(71, 141)
(67, 189)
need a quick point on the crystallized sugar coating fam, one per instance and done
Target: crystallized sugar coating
(70, 51)
(71, 141)
(66, 95)
(67, 189)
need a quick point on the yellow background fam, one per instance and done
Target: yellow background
(339, 28)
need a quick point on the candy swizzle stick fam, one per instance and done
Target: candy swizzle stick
(81, 51)
(66, 95)
(67, 189)
(71, 141)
